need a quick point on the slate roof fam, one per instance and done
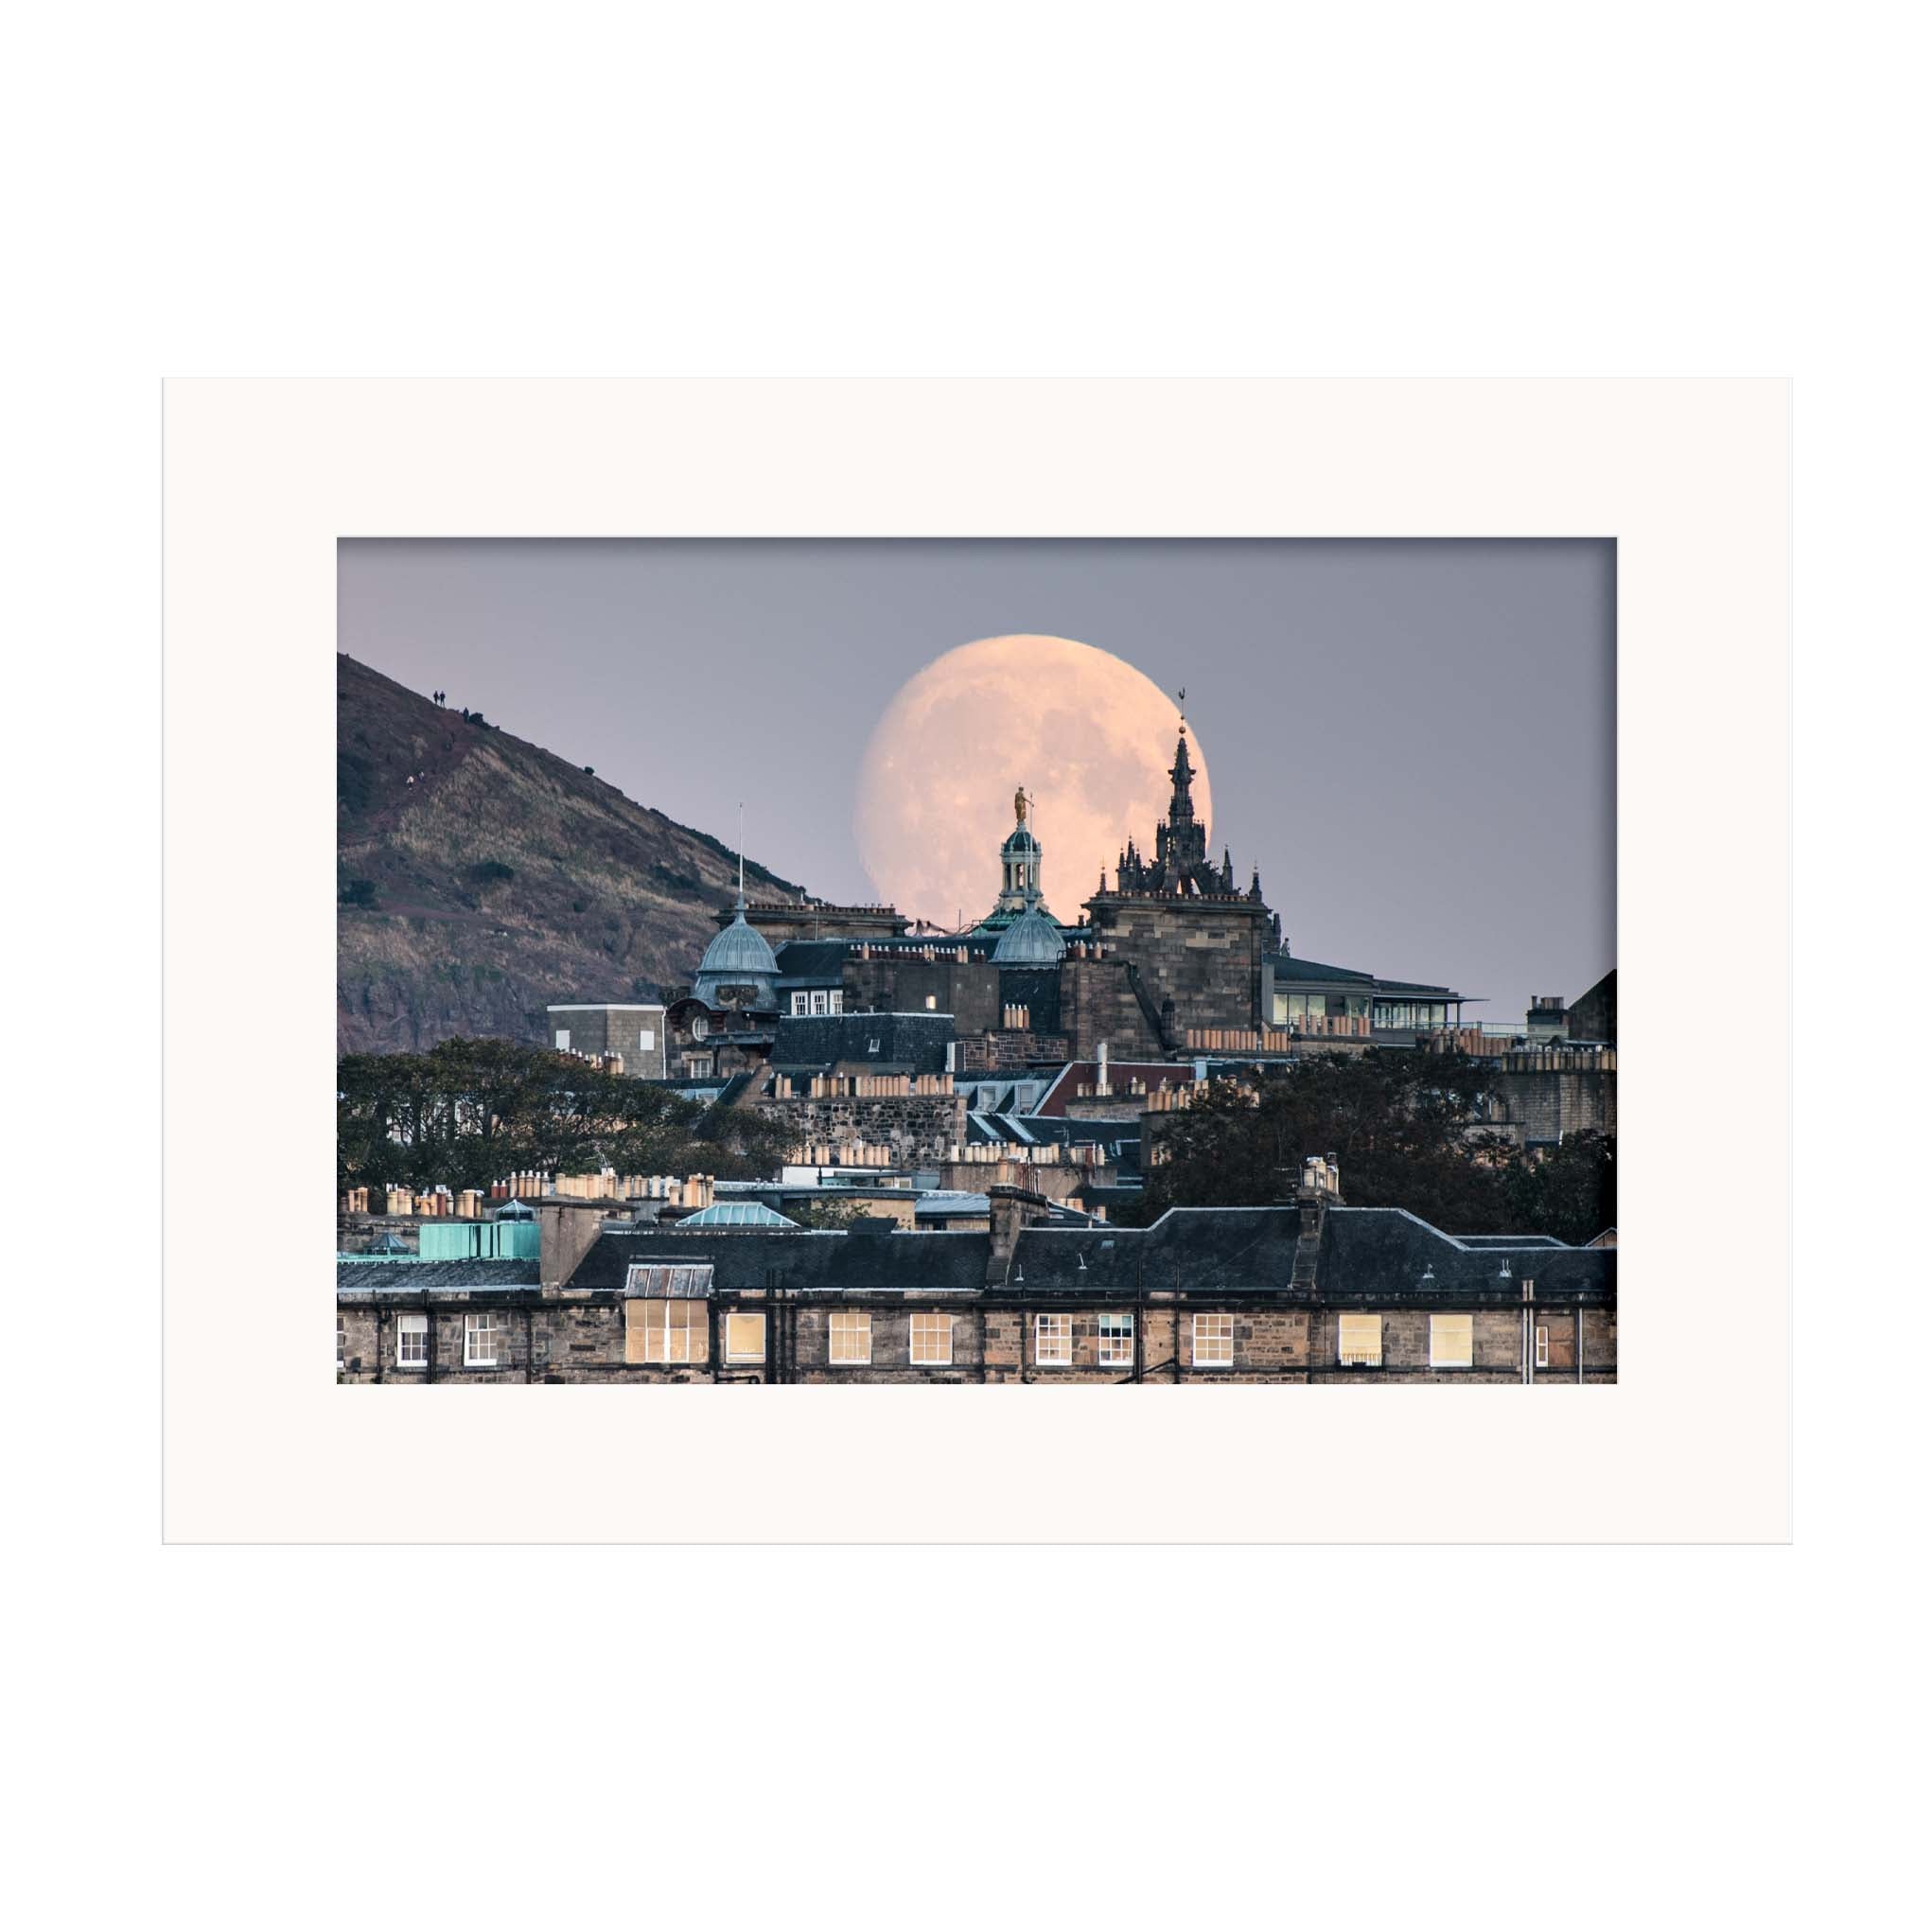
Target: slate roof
(728, 1094)
(1287, 966)
(1079, 1073)
(417, 1277)
(1071, 1129)
(1002, 1093)
(1111, 1194)
(812, 962)
(1374, 1252)
(1373, 1255)
(812, 1042)
(932, 1262)
(939, 1202)
(1120, 1137)
(1206, 1247)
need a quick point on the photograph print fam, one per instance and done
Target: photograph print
(1097, 962)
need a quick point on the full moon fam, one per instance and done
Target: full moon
(1088, 738)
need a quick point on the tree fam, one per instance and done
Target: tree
(1569, 1192)
(744, 1144)
(468, 1112)
(1407, 1129)
(831, 1216)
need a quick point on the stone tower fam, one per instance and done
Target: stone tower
(1191, 939)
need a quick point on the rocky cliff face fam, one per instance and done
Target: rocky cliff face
(481, 878)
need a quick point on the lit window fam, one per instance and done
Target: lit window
(563, 1039)
(1451, 1340)
(744, 1338)
(1117, 1340)
(341, 1342)
(1053, 1340)
(932, 1340)
(851, 1336)
(480, 1336)
(665, 1331)
(412, 1341)
(1542, 1347)
(1360, 1342)
(1214, 1340)
(932, 1002)
(647, 1039)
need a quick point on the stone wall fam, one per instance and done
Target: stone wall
(920, 1129)
(596, 1029)
(555, 1339)
(368, 1344)
(1548, 1096)
(1008, 1051)
(1496, 1352)
(1097, 1004)
(1205, 954)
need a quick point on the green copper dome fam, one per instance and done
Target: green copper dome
(740, 955)
(1032, 939)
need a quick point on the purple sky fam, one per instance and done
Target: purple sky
(1417, 740)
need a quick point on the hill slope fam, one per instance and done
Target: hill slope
(493, 878)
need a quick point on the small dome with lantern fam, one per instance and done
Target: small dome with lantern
(1032, 939)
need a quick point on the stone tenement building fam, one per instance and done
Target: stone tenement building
(1309, 1291)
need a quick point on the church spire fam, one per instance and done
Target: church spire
(1181, 809)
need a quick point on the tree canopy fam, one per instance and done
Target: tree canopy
(468, 1112)
(1407, 1129)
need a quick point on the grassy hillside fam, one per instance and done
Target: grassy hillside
(480, 878)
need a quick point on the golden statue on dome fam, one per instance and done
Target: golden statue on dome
(1020, 805)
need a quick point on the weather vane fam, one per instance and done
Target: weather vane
(1181, 694)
